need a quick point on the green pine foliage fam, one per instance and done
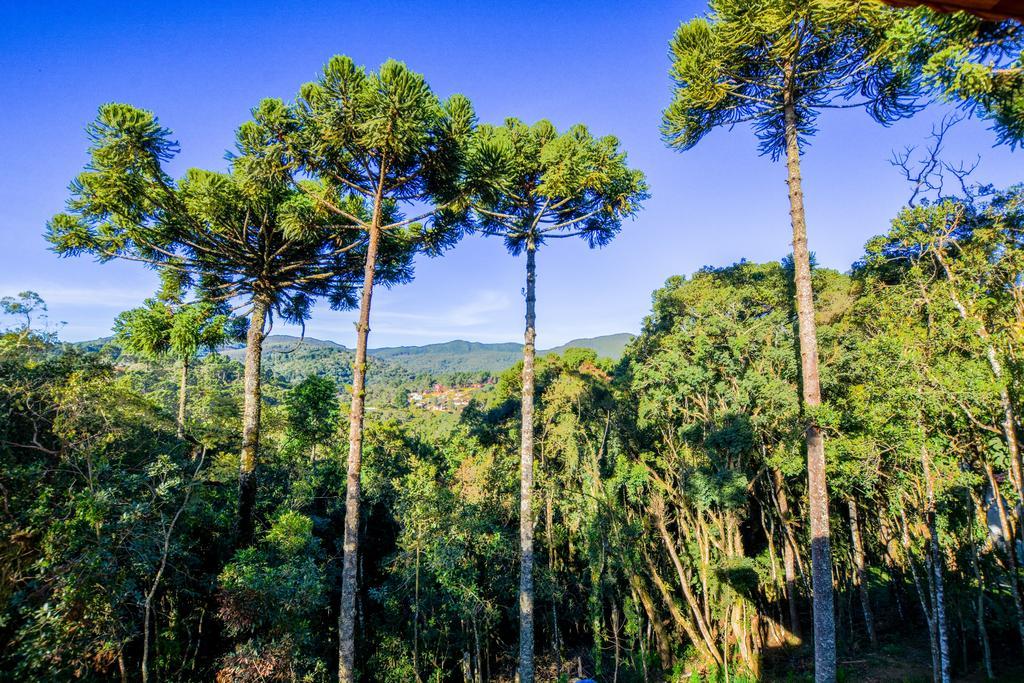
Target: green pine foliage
(668, 507)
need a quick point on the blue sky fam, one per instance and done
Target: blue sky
(201, 66)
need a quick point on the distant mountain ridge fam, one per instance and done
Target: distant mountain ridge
(453, 356)
(457, 355)
(293, 357)
(606, 346)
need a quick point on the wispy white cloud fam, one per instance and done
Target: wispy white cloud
(479, 310)
(484, 315)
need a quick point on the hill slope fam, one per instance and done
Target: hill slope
(453, 356)
(285, 356)
(465, 356)
(606, 346)
(292, 359)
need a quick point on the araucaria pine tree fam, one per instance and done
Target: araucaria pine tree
(535, 184)
(169, 327)
(777, 64)
(372, 143)
(238, 237)
(967, 60)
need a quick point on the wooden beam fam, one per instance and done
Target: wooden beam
(993, 10)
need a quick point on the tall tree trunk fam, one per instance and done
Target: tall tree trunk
(251, 422)
(615, 638)
(939, 603)
(478, 672)
(861, 573)
(817, 490)
(347, 610)
(182, 397)
(927, 601)
(526, 476)
(789, 551)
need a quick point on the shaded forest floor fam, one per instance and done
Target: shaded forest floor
(897, 660)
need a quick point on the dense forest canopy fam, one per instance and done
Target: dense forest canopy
(791, 473)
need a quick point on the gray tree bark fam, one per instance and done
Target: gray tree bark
(986, 650)
(251, 422)
(939, 590)
(817, 490)
(862, 574)
(526, 476)
(789, 551)
(1008, 546)
(347, 609)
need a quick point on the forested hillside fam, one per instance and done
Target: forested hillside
(792, 473)
(297, 357)
(669, 489)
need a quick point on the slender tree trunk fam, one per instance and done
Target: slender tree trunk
(789, 551)
(926, 601)
(986, 650)
(615, 638)
(526, 476)
(251, 422)
(684, 583)
(939, 603)
(861, 573)
(1009, 546)
(661, 637)
(548, 528)
(416, 618)
(817, 490)
(182, 396)
(347, 610)
(478, 673)
(165, 552)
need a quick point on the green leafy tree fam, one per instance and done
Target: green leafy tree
(714, 376)
(270, 595)
(167, 326)
(238, 237)
(372, 144)
(80, 572)
(961, 258)
(24, 306)
(313, 411)
(778, 63)
(535, 185)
